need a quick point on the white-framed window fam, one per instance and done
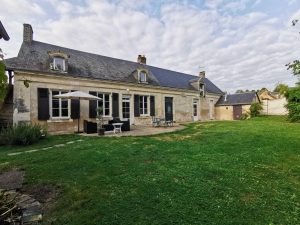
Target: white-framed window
(59, 63)
(202, 89)
(60, 108)
(142, 77)
(144, 105)
(105, 103)
(126, 107)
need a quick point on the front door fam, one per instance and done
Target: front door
(169, 108)
(237, 112)
(211, 109)
(195, 110)
(126, 107)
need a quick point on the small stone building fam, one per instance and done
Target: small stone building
(233, 106)
(132, 91)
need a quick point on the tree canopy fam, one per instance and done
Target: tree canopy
(3, 81)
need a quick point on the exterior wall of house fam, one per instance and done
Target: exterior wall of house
(226, 112)
(26, 100)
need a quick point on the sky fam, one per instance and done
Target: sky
(241, 44)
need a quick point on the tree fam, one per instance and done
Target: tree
(295, 65)
(293, 105)
(281, 89)
(3, 81)
(293, 94)
(255, 109)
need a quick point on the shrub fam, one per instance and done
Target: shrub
(255, 109)
(245, 116)
(22, 134)
(293, 105)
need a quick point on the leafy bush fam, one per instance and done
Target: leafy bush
(245, 116)
(22, 134)
(293, 105)
(255, 109)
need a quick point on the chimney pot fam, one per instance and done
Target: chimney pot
(27, 33)
(142, 59)
(202, 74)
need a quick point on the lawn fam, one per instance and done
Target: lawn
(238, 172)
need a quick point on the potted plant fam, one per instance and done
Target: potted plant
(100, 128)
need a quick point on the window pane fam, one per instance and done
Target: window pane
(64, 103)
(64, 112)
(106, 112)
(55, 112)
(55, 103)
(59, 63)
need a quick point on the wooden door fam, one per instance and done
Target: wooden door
(169, 109)
(237, 112)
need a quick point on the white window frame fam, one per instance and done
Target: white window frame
(103, 103)
(126, 98)
(64, 63)
(60, 109)
(146, 76)
(202, 90)
(143, 108)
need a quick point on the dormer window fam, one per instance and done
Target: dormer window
(143, 77)
(201, 89)
(59, 64)
(58, 61)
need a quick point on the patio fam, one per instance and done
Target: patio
(141, 130)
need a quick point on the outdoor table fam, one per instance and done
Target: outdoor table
(117, 127)
(169, 123)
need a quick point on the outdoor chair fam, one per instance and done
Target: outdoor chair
(156, 122)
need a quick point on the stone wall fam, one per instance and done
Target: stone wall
(27, 111)
(274, 107)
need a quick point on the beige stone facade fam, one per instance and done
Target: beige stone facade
(226, 112)
(184, 101)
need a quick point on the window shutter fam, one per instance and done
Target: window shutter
(152, 106)
(136, 105)
(93, 106)
(115, 105)
(43, 104)
(75, 108)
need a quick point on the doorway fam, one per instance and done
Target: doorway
(211, 109)
(195, 110)
(126, 107)
(237, 112)
(169, 108)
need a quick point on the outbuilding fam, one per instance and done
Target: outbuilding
(233, 106)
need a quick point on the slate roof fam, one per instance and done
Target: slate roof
(34, 57)
(238, 99)
(3, 33)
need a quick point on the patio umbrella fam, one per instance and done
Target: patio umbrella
(77, 95)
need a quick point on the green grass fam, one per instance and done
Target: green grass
(241, 172)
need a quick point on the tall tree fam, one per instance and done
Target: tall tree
(281, 89)
(3, 80)
(295, 65)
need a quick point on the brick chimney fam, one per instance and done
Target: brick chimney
(27, 33)
(202, 74)
(142, 59)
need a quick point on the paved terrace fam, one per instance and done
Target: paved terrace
(141, 130)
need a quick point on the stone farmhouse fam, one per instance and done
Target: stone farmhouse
(130, 90)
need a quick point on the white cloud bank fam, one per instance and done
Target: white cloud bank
(240, 51)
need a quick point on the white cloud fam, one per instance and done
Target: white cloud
(245, 51)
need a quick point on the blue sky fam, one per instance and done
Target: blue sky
(242, 44)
